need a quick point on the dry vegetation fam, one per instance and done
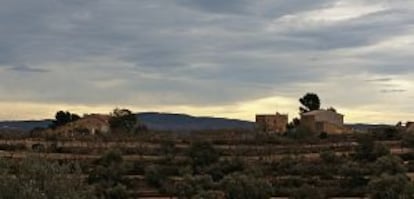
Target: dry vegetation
(218, 165)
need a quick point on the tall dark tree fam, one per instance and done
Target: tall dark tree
(310, 102)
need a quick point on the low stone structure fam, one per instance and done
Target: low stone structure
(327, 121)
(272, 123)
(94, 123)
(87, 125)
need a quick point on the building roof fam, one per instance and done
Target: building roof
(316, 112)
(87, 122)
(272, 115)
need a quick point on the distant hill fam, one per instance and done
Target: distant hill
(183, 122)
(154, 121)
(173, 122)
(24, 125)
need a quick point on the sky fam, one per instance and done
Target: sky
(231, 58)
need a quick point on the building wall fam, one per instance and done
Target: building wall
(329, 116)
(410, 127)
(323, 121)
(308, 122)
(330, 128)
(272, 123)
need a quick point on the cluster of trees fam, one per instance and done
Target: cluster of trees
(121, 121)
(63, 118)
(126, 122)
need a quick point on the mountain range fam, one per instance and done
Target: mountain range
(154, 121)
(170, 122)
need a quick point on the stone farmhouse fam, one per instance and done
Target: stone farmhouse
(93, 123)
(272, 123)
(88, 125)
(327, 121)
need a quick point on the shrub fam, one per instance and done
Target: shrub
(202, 154)
(107, 178)
(285, 166)
(354, 175)
(226, 167)
(156, 175)
(38, 179)
(38, 148)
(329, 157)
(239, 186)
(390, 187)
(191, 186)
(368, 150)
(391, 165)
(168, 150)
(323, 135)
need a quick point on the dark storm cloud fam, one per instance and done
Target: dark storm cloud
(186, 52)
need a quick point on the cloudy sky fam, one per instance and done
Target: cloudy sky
(231, 58)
